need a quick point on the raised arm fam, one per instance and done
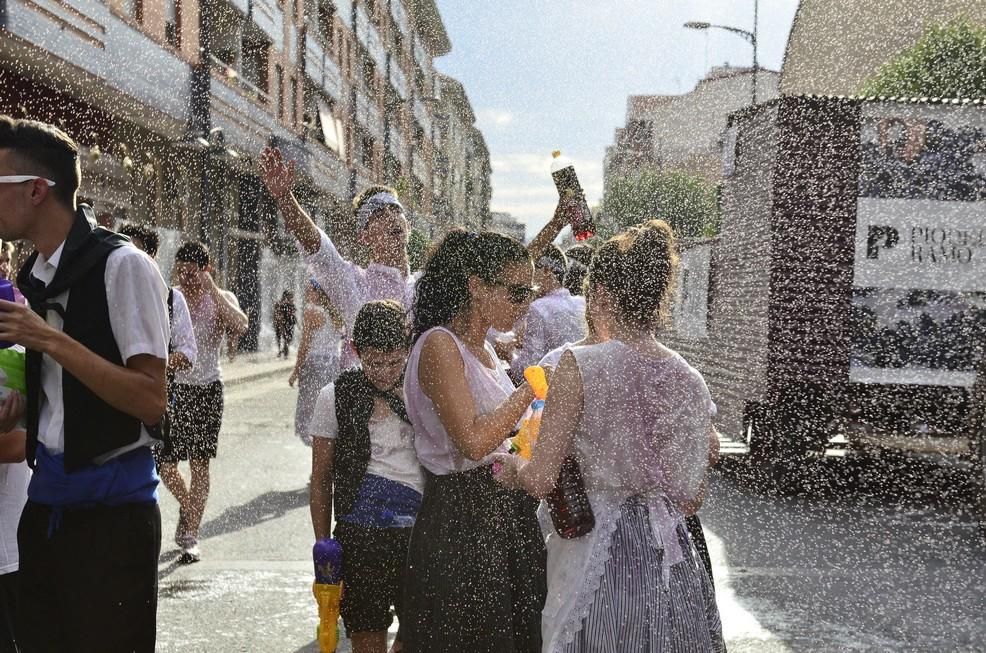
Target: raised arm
(278, 176)
(441, 373)
(550, 231)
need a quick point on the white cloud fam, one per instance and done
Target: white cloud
(495, 117)
(522, 186)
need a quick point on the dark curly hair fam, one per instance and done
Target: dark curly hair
(443, 289)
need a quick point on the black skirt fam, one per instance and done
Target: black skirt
(476, 569)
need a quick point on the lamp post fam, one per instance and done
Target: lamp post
(746, 34)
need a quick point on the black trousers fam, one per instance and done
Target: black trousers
(8, 607)
(91, 585)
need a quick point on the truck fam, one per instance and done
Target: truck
(844, 295)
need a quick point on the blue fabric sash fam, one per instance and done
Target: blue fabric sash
(128, 478)
(383, 503)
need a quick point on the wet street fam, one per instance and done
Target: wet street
(882, 558)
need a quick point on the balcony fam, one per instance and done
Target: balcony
(114, 58)
(368, 114)
(422, 116)
(397, 144)
(322, 69)
(397, 79)
(370, 38)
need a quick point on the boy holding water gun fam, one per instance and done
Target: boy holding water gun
(364, 465)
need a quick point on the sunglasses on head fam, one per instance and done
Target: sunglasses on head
(20, 179)
(518, 294)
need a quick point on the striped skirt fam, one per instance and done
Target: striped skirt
(634, 611)
(475, 578)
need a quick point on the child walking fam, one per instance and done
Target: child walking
(363, 462)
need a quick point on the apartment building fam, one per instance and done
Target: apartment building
(173, 100)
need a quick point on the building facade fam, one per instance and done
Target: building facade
(508, 225)
(462, 176)
(173, 100)
(835, 47)
(684, 132)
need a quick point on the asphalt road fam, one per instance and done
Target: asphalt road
(880, 557)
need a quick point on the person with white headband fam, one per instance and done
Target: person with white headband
(557, 317)
(381, 226)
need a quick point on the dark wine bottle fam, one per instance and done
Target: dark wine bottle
(571, 512)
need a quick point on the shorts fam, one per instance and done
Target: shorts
(196, 416)
(373, 563)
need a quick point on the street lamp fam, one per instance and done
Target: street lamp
(746, 34)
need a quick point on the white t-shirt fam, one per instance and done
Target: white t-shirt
(552, 321)
(182, 335)
(137, 299)
(208, 339)
(392, 454)
(14, 479)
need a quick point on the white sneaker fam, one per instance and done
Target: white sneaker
(189, 554)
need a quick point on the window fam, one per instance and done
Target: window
(369, 73)
(134, 8)
(364, 147)
(279, 90)
(172, 23)
(326, 19)
(256, 50)
(294, 102)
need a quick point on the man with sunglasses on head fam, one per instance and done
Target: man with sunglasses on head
(96, 334)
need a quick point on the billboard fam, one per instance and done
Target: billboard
(919, 285)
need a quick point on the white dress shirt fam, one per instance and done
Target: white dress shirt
(182, 335)
(552, 321)
(136, 296)
(348, 286)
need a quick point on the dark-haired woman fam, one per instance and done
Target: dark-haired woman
(637, 418)
(476, 562)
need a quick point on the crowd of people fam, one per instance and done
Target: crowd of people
(410, 387)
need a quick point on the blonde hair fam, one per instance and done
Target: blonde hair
(638, 267)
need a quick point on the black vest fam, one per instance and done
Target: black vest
(92, 426)
(354, 406)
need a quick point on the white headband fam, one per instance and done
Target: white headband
(374, 204)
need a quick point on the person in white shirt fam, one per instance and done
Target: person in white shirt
(96, 338)
(555, 318)
(182, 349)
(197, 409)
(381, 226)
(364, 463)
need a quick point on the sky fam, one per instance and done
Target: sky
(555, 74)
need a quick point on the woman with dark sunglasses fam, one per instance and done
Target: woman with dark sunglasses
(476, 561)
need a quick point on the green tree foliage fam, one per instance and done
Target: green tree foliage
(417, 249)
(688, 203)
(949, 61)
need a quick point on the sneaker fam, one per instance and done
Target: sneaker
(189, 555)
